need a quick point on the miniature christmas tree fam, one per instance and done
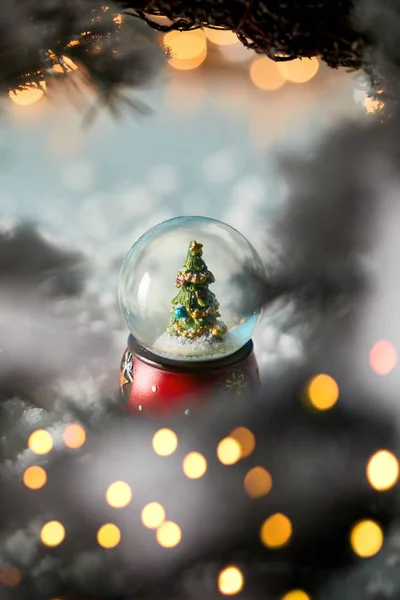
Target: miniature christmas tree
(194, 311)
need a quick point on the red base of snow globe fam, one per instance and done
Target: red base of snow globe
(150, 383)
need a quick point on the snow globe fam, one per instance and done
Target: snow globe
(196, 341)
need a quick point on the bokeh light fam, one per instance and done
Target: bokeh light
(169, 534)
(52, 533)
(28, 96)
(230, 581)
(10, 577)
(221, 37)
(165, 442)
(296, 595)
(383, 357)
(299, 70)
(383, 470)
(153, 515)
(276, 531)
(246, 440)
(34, 477)
(40, 441)
(74, 436)
(366, 538)
(108, 536)
(229, 451)
(194, 465)
(257, 482)
(323, 391)
(371, 105)
(187, 49)
(265, 75)
(68, 65)
(119, 494)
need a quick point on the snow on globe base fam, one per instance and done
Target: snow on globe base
(206, 320)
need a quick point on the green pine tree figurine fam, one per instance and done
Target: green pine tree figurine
(195, 309)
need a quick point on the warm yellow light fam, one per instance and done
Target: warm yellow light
(40, 441)
(264, 74)
(229, 451)
(117, 19)
(366, 538)
(153, 515)
(257, 482)
(74, 436)
(221, 37)
(28, 96)
(194, 465)
(383, 357)
(34, 477)
(299, 70)
(383, 470)
(108, 536)
(323, 391)
(188, 49)
(165, 442)
(230, 581)
(68, 65)
(169, 534)
(371, 105)
(245, 439)
(296, 595)
(10, 577)
(119, 494)
(52, 534)
(276, 531)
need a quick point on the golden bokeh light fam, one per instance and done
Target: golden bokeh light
(383, 470)
(383, 357)
(257, 482)
(66, 65)
(366, 538)
(230, 581)
(119, 494)
(299, 70)
(108, 536)
(52, 534)
(296, 595)
(194, 465)
(165, 442)
(28, 96)
(153, 515)
(246, 440)
(187, 49)
(371, 105)
(40, 441)
(265, 75)
(169, 534)
(221, 37)
(276, 531)
(74, 436)
(34, 477)
(229, 451)
(323, 391)
(10, 577)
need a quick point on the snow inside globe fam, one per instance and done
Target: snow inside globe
(178, 289)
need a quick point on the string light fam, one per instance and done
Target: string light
(194, 465)
(276, 531)
(296, 595)
(153, 515)
(52, 533)
(188, 49)
(265, 75)
(34, 477)
(257, 482)
(108, 536)
(383, 470)
(74, 436)
(28, 96)
(10, 577)
(169, 534)
(40, 441)
(366, 538)
(165, 442)
(228, 451)
(119, 494)
(299, 70)
(383, 357)
(221, 37)
(323, 391)
(245, 439)
(230, 581)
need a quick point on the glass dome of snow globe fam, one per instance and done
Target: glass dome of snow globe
(178, 289)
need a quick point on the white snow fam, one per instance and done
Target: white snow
(205, 347)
